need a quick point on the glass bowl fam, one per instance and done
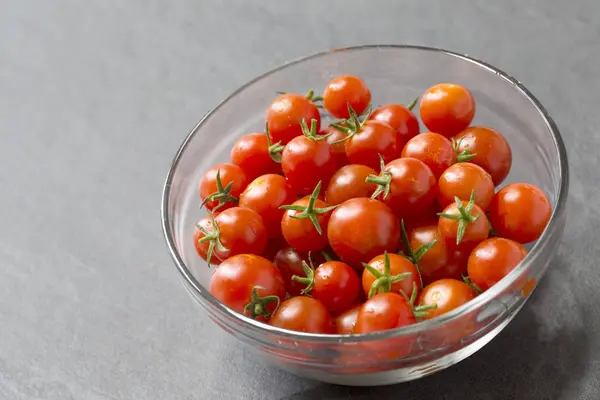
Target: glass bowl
(395, 74)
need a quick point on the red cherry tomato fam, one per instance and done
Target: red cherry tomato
(338, 148)
(493, 259)
(399, 276)
(221, 186)
(349, 182)
(490, 149)
(445, 295)
(302, 314)
(252, 153)
(362, 228)
(203, 247)
(520, 212)
(345, 91)
(373, 139)
(284, 116)
(465, 227)
(461, 180)
(407, 186)
(345, 322)
(265, 195)
(400, 118)
(307, 160)
(234, 282)
(383, 312)
(435, 150)
(447, 109)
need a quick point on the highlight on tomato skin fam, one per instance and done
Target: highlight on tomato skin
(461, 180)
(285, 113)
(399, 118)
(447, 109)
(344, 91)
(492, 260)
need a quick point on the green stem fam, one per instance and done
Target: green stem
(222, 195)
(310, 211)
(309, 280)
(258, 306)
(413, 104)
(214, 237)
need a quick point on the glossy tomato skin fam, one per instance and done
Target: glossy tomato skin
(343, 91)
(400, 118)
(433, 149)
(460, 180)
(229, 173)
(493, 259)
(202, 248)
(336, 286)
(398, 265)
(446, 294)
(373, 139)
(306, 162)
(233, 282)
(289, 262)
(383, 312)
(362, 228)
(301, 233)
(520, 211)
(349, 182)
(447, 109)
(338, 149)
(344, 323)
(251, 154)
(242, 231)
(475, 232)
(302, 314)
(412, 188)
(284, 116)
(265, 195)
(492, 151)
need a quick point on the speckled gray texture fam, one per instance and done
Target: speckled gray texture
(95, 97)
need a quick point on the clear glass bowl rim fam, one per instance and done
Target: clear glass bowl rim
(420, 327)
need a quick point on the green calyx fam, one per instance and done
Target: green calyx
(316, 100)
(309, 280)
(352, 125)
(213, 236)
(222, 195)
(310, 211)
(421, 310)
(413, 104)
(311, 133)
(414, 256)
(473, 286)
(258, 305)
(462, 156)
(274, 149)
(383, 181)
(464, 216)
(384, 280)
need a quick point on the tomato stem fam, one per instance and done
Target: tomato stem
(222, 195)
(383, 181)
(214, 236)
(312, 133)
(310, 211)
(258, 305)
(464, 216)
(413, 104)
(414, 256)
(314, 99)
(473, 285)
(326, 255)
(273, 149)
(384, 280)
(352, 125)
(462, 156)
(309, 280)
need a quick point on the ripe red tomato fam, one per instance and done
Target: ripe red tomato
(490, 149)
(289, 261)
(399, 275)
(383, 312)
(305, 221)
(372, 140)
(493, 259)
(447, 109)
(520, 211)
(344, 91)
(203, 247)
(435, 150)
(461, 180)
(333, 283)
(344, 323)
(238, 277)
(284, 116)
(255, 156)
(221, 186)
(302, 314)
(307, 160)
(400, 118)
(336, 145)
(265, 195)
(465, 226)
(445, 295)
(350, 182)
(407, 186)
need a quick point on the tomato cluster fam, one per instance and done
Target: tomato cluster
(365, 224)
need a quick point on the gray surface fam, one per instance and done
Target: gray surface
(95, 97)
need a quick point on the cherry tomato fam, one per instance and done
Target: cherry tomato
(345, 322)
(362, 228)
(407, 186)
(400, 118)
(371, 140)
(305, 223)
(390, 278)
(383, 312)
(461, 180)
(435, 150)
(274, 246)
(289, 261)
(265, 195)
(338, 148)
(445, 295)
(493, 259)
(345, 91)
(490, 149)
(520, 211)
(284, 116)
(302, 314)
(350, 182)
(202, 248)
(463, 227)
(234, 282)
(252, 153)
(447, 109)
(221, 186)
(307, 160)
